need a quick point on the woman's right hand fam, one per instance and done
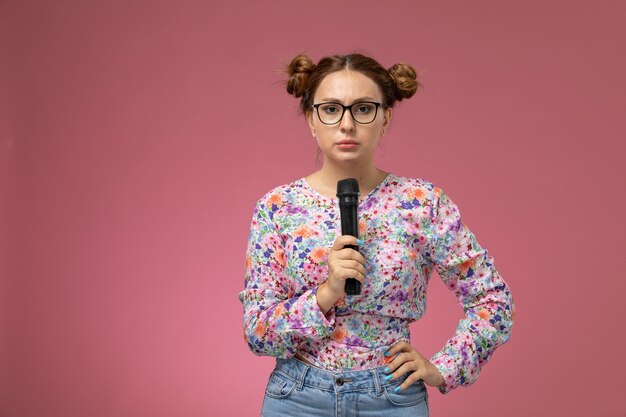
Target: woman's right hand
(344, 263)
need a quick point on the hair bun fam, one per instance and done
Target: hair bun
(405, 78)
(299, 70)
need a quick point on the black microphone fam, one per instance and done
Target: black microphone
(348, 193)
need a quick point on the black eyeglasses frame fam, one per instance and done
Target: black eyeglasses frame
(343, 111)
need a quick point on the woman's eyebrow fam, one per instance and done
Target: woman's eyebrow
(354, 101)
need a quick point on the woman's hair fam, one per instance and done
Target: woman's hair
(396, 83)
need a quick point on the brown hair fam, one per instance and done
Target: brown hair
(396, 83)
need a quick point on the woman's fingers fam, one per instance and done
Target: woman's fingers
(342, 241)
(401, 346)
(348, 268)
(405, 359)
(348, 254)
(353, 265)
(401, 369)
(410, 367)
(397, 361)
(410, 380)
(351, 261)
(344, 263)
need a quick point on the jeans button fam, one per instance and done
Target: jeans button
(340, 381)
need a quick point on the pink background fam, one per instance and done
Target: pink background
(136, 137)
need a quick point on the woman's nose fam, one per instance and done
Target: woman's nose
(347, 122)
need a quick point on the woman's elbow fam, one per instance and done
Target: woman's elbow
(267, 345)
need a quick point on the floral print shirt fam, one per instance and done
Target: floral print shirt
(409, 227)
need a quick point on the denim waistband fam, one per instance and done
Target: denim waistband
(337, 381)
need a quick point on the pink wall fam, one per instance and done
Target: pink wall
(135, 138)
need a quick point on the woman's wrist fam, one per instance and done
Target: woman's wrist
(439, 379)
(326, 299)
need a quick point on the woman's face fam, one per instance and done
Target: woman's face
(348, 87)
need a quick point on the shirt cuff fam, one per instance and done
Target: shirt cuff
(448, 369)
(323, 324)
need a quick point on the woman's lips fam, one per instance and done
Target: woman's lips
(346, 145)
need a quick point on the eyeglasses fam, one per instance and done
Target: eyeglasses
(363, 112)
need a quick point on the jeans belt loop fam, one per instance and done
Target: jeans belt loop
(379, 389)
(305, 369)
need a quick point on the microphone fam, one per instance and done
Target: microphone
(348, 193)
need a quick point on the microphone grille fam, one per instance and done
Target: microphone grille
(348, 186)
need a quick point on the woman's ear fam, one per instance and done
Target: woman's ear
(387, 114)
(309, 119)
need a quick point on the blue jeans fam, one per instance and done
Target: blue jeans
(298, 389)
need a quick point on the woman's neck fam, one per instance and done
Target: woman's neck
(325, 180)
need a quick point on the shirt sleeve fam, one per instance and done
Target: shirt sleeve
(468, 271)
(276, 321)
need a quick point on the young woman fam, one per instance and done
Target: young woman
(341, 354)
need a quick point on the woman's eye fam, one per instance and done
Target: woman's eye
(330, 109)
(364, 108)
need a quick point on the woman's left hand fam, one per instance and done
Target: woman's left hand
(410, 360)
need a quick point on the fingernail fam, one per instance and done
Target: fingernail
(388, 353)
(398, 388)
(360, 242)
(387, 369)
(388, 377)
